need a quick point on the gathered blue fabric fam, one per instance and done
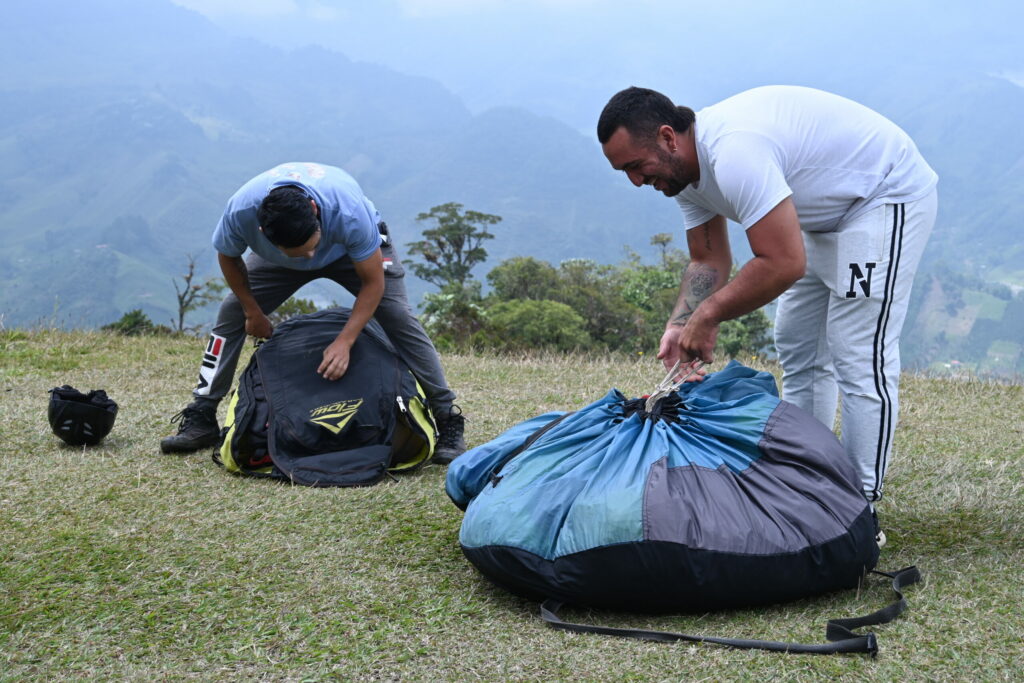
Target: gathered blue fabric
(721, 483)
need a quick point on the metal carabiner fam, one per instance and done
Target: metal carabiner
(670, 384)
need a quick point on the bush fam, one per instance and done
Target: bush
(453, 317)
(134, 324)
(594, 291)
(749, 334)
(523, 277)
(578, 304)
(289, 309)
(523, 324)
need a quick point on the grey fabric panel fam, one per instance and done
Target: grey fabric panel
(793, 434)
(800, 493)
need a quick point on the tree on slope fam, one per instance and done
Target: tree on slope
(452, 248)
(449, 251)
(192, 295)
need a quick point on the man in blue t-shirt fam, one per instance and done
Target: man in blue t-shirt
(303, 221)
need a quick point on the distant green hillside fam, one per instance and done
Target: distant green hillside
(120, 149)
(114, 175)
(958, 323)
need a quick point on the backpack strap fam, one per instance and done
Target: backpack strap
(241, 409)
(839, 632)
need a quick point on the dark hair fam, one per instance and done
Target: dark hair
(641, 112)
(287, 217)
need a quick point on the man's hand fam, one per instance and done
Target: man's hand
(668, 350)
(335, 361)
(258, 325)
(696, 340)
(671, 351)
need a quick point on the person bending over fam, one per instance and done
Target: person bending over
(303, 221)
(837, 204)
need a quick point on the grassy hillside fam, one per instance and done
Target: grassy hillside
(118, 173)
(959, 324)
(128, 125)
(121, 563)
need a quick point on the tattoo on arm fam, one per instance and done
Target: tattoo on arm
(707, 237)
(699, 282)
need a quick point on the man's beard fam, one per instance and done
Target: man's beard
(679, 178)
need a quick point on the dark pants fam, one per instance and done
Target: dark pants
(272, 285)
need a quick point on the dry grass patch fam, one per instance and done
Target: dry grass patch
(121, 563)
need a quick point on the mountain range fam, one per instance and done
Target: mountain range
(123, 139)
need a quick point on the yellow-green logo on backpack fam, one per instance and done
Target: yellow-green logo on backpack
(334, 416)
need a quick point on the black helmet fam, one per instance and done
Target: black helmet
(81, 419)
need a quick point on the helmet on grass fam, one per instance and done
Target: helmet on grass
(81, 419)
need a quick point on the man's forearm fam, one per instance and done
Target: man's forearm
(700, 280)
(778, 262)
(756, 284)
(363, 309)
(237, 277)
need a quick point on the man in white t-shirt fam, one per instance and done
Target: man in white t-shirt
(837, 204)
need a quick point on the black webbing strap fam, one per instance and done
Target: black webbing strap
(839, 632)
(840, 629)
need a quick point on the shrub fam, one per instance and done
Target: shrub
(453, 317)
(529, 324)
(289, 309)
(134, 324)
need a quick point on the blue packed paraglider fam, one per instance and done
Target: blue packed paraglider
(718, 495)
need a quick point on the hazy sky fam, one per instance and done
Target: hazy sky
(566, 57)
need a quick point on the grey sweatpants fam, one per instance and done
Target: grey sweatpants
(272, 285)
(837, 329)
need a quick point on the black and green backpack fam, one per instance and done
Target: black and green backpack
(287, 422)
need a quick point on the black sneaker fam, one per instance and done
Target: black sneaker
(450, 442)
(197, 429)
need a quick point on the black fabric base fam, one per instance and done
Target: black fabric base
(661, 576)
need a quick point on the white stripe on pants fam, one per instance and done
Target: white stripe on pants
(837, 329)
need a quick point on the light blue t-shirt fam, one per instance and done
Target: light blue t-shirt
(348, 219)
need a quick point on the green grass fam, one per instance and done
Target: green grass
(121, 563)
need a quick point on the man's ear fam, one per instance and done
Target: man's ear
(316, 209)
(667, 134)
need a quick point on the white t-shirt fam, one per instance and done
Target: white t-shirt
(835, 157)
